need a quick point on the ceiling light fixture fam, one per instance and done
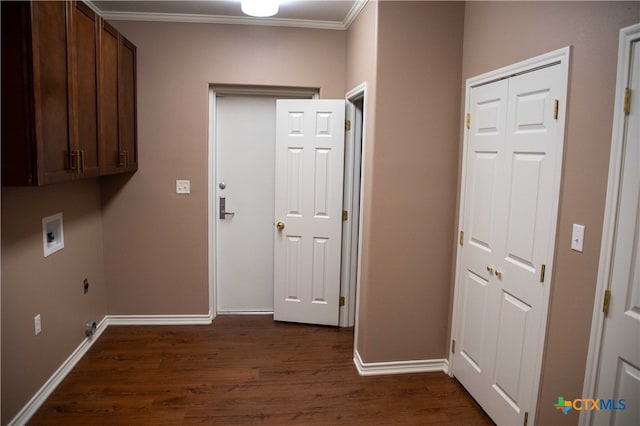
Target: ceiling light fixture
(260, 8)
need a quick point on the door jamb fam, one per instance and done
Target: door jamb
(212, 192)
(352, 203)
(562, 58)
(626, 38)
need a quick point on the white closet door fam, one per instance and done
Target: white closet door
(619, 370)
(512, 172)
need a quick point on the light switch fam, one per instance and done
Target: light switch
(577, 237)
(183, 187)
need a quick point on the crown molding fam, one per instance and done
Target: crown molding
(236, 20)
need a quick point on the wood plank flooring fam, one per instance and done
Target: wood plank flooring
(245, 370)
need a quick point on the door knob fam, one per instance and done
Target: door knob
(490, 269)
(498, 273)
(280, 226)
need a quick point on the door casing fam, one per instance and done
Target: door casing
(353, 164)
(626, 37)
(560, 57)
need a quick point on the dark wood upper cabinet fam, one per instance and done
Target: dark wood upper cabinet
(68, 91)
(118, 102)
(84, 48)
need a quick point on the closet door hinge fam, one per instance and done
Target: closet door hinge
(347, 125)
(468, 121)
(345, 215)
(341, 301)
(542, 271)
(461, 238)
(627, 101)
(526, 418)
(453, 346)
(556, 105)
(606, 301)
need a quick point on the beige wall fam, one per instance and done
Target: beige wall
(412, 197)
(501, 33)
(51, 287)
(156, 257)
(362, 50)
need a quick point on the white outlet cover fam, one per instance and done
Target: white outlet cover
(52, 234)
(183, 187)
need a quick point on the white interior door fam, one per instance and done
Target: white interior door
(245, 141)
(619, 369)
(513, 170)
(308, 210)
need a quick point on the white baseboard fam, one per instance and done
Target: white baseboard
(245, 312)
(399, 367)
(200, 319)
(43, 393)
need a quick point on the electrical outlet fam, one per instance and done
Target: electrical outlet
(183, 187)
(37, 324)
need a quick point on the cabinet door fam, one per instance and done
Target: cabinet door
(50, 86)
(84, 67)
(127, 104)
(109, 127)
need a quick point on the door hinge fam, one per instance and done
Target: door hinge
(468, 121)
(526, 418)
(347, 125)
(453, 346)
(542, 271)
(341, 300)
(556, 105)
(606, 302)
(627, 101)
(345, 215)
(461, 238)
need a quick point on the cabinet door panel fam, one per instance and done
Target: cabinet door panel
(127, 103)
(109, 98)
(85, 37)
(51, 83)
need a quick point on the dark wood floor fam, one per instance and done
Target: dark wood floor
(245, 370)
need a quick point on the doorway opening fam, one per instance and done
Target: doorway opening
(238, 114)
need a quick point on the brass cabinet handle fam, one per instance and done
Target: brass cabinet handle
(81, 165)
(280, 226)
(123, 159)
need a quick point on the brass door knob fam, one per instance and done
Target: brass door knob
(490, 269)
(498, 273)
(280, 226)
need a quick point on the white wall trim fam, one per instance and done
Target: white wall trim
(266, 312)
(399, 367)
(237, 20)
(57, 377)
(197, 319)
(626, 37)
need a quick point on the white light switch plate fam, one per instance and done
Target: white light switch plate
(183, 187)
(577, 237)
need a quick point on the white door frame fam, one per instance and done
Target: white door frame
(353, 193)
(627, 35)
(349, 286)
(212, 193)
(558, 57)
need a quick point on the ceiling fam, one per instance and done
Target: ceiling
(325, 14)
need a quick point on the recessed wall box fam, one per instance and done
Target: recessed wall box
(52, 234)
